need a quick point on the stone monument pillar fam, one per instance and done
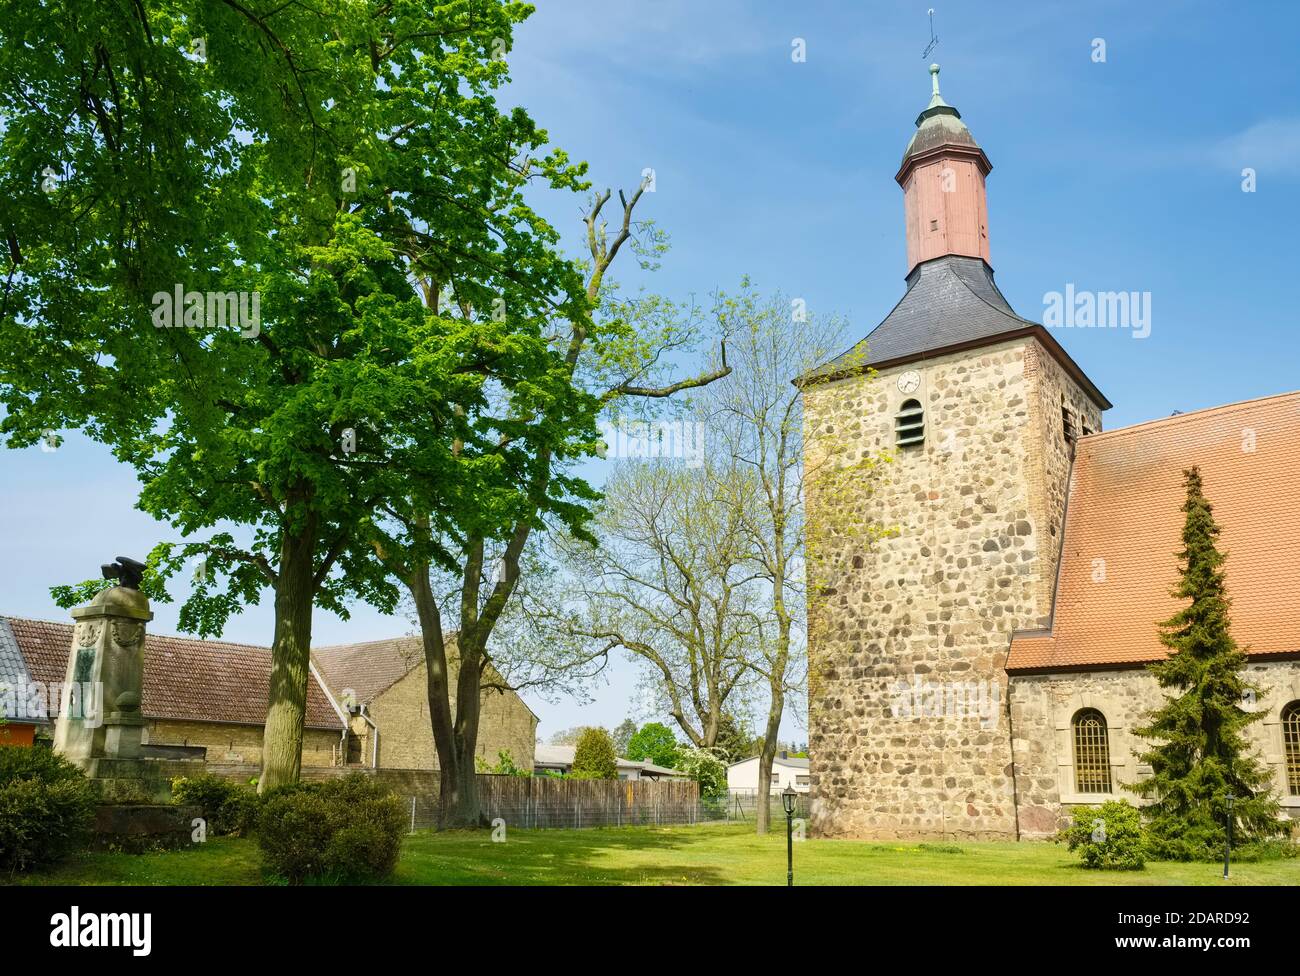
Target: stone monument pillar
(103, 735)
(106, 669)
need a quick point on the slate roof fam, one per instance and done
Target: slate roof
(1126, 492)
(185, 679)
(941, 125)
(13, 669)
(951, 303)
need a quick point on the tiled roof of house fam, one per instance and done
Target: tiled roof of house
(1124, 524)
(370, 668)
(951, 302)
(185, 678)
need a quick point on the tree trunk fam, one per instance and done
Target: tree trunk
(465, 810)
(458, 802)
(764, 815)
(290, 658)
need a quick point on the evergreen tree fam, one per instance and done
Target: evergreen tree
(593, 756)
(622, 735)
(1201, 754)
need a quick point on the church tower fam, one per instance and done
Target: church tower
(909, 630)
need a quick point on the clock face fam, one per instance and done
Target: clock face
(909, 382)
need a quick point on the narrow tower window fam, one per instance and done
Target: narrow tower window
(909, 424)
(1091, 752)
(1291, 746)
(1067, 423)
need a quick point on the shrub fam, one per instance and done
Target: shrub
(347, 829)
(46, 808)
(593, 756)
(1108, 837)
(505, 765)
(703, 766)
(229, 809)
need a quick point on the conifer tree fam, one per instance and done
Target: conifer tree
(1201, 755)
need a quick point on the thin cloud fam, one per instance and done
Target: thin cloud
(1271, 146)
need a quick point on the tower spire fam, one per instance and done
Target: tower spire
(942, 176)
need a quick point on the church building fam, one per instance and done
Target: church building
(977, 671)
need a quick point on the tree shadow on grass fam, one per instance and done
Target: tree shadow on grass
(586, 856)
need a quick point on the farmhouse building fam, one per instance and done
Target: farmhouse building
(367, 704)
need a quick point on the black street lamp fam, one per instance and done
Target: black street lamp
(1227, 848)
(787, 801)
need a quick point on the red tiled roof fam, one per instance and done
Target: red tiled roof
(1126, 495)
(184, 678)
(369, 668)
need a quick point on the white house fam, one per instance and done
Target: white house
(743, 776)
(560, 759)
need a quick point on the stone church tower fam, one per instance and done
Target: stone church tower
(909, 633)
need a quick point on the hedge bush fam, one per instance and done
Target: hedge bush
(229, 809)
(46, 808)
(1109, 837)
(347, 829)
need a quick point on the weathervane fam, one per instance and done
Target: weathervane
(933, 39)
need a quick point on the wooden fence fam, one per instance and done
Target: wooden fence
(543, 801)
(521, 801)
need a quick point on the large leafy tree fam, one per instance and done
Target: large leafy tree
(1201, 754)
(346, 163)
(613, 352)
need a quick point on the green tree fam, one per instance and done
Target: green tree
(1201, 755)
(622, 735)
(735, 742)
(593, 756)
(655, 742)
(611, 352)
(402, 287)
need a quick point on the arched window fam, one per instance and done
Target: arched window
(1291, 746)
(909, 423)
(1091, 752)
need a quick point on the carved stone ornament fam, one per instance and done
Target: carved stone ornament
(88, 633)
(127, 633)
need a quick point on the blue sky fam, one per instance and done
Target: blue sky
(1120, 175)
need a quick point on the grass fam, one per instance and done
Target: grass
(702, 855)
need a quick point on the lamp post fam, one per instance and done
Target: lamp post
(1227, 848)
(787, 801)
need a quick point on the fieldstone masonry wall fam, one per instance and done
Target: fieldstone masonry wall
(908, 733)
(1042, 711)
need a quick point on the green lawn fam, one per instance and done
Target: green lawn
(715, 854)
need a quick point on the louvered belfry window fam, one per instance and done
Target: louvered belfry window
(1091, 752)
(909, 424)
(1067, 424)
(1291, 746)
